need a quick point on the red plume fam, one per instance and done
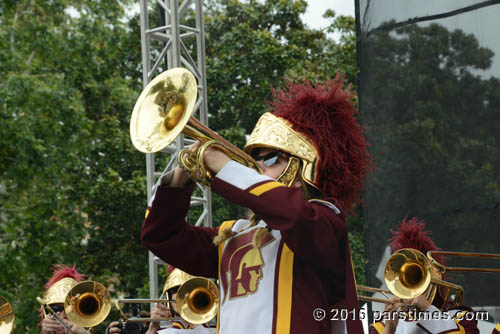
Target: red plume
(411, 234)
(61, 271)
(325, 113)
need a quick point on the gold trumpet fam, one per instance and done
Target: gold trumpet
(197, 301)
(6, 316)
(409, 273)
(164, 110)
(87, 304)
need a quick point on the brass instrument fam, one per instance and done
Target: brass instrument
(408, 274)
(443, 269)
(87, 304)
(47, 310)
(196, 302)
(6, 316)
(374, 299)
(164, 110)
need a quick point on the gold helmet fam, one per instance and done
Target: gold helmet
(62, 280)
(56, 294)
(175, 279)
(276, 132)
(317, 125)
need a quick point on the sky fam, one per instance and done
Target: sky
(316, 8)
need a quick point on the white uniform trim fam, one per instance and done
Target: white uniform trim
(240, 176)
(197, 330)
(444, 322)
(327, 204)
(435, 322)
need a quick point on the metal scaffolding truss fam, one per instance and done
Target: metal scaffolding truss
(170, 44)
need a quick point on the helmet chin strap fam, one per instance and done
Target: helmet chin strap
(289, 174)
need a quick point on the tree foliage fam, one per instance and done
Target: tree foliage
(432, 115)
(72, 187)
(257, 45)
(67, 170)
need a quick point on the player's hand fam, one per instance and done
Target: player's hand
(114, 328)
(392, 309)
(420, 302)
(215, 159)
(51, 326)
(159, 311)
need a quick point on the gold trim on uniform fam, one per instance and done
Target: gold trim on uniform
(285, 285)
(379, 327)
(257, 191)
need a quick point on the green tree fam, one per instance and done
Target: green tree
(253, 46)
(72, 187)
(67, 170)
(430, 115)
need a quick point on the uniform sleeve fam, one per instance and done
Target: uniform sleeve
(311, 230)
(166, 234)
(496, 330)
(451, 322)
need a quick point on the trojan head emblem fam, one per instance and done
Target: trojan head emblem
(241, 265)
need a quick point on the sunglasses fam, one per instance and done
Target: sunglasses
(57, 308)
(269, 159)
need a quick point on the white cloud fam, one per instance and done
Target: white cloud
(313, 16)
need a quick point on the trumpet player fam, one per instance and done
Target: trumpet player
(419, 315)
(56, 289)
(290, 259)
(174, 280)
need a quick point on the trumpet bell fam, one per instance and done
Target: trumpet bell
(6, 316)
(163, 110)
(408, 273)
(197, 300)
(87, 304)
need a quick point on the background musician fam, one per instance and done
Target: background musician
(174, 280)
(411, 234)
(56, 289)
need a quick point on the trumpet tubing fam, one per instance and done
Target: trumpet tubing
(197, 302)
(443, 269)
(373, 299)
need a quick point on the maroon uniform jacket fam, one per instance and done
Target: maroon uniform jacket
(314, 233)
